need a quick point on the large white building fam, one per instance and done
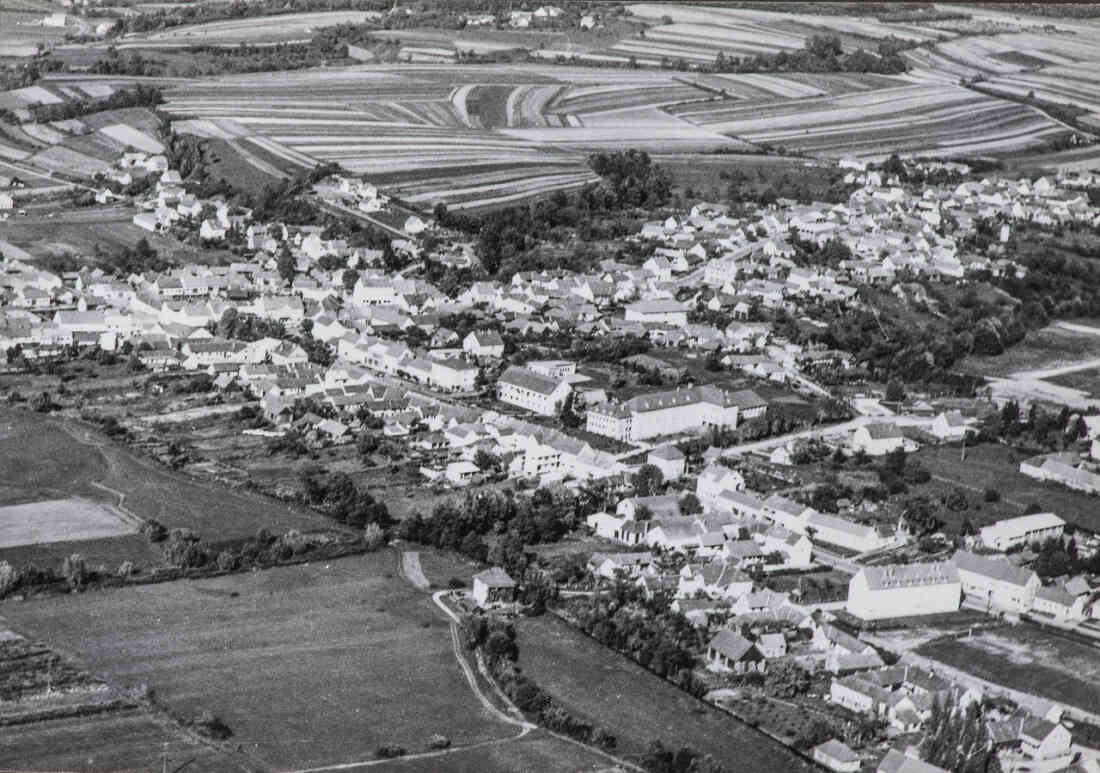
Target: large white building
(532, 391)
(847, 534)
(904, 590)
(995, 583)
(1025, 530)
(670, 413)
(667, 311)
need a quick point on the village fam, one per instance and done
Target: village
(698, 422)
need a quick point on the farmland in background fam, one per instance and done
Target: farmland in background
(308, 665)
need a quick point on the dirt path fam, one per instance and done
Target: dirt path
(413, 572)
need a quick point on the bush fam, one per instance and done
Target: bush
(154, 531)
(455, 583)
(991, 495)
(374, 536)
(211, 726)
(439, 741)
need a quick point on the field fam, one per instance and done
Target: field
(308, 665)
(1050, 347)
(470, 136)
(119, 740)
(998, 467)
(43, 459)
(60, 521)
(1087, 381)
(635, 705)
(1028, 659)
(255, 30)
(698, 33)
(911, 120)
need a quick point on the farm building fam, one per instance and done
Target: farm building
(836, 530)
(668, 311)
(1033, 737)
(493, 588)
(905, 762)
(904, 590)
(553, 368)
(949, 426)
(1025, 530)
(483, 343)
(6, 201)
(836, 756)
(996, 583)
(732, 652)
(532, 391)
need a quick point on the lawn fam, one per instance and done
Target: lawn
(119, 740)
(635, 705)
(998, 467)
(536, 751)
(52, 458)
(1087, 381)
(60, 520)
(1028, 659)
(308, 665)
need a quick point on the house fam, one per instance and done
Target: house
(483, 343)
(1061, 468)
(462, 472)
(850, 535)
(730, 651)
(666, 311)
(669, 460)
(6, 201)
(558, 369)
(949, 426)
(902, 762)
(878, 438)
(904, 590)
(996, 584)
(834, 755)
(772, 645)
(612, 565)
(453, 375)
(714, 481)
(494, 588)
(532, 391)
(1023, 530)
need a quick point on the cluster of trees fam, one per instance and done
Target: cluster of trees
(247, 327)
(139, 95)
(663, 759)
(1044, 430)
(336, 495)
(493, 526)
(123, 260)
(957, 738)
(646, 630)
(497, 641)
(821, 53)
(506, 237)
(1057, 558)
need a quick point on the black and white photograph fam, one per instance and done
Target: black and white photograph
(482, 386)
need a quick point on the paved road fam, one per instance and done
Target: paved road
(1036, 375)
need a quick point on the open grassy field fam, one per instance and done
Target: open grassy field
(60, 520)
(1047, 348)
(308, 665)
(998, 467)
(116, 741)
(47, 458)
(636, 706)
(1086, 380)
(1029, 659)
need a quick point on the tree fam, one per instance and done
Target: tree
(648, 480)
(349, 278)
(690, 504)
(895, 392)
(485, 461)
(786, 679)
(286, 265)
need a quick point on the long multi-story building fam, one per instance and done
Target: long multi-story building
(1024, 530)
(673, 412)
(902, 590)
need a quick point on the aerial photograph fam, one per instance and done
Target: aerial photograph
(420, 386)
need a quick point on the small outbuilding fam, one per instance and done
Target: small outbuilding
(494, 588)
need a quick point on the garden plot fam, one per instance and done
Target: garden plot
(61, 520)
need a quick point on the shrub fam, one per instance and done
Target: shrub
(389, 751)
(439, 741)
(211, 726)
(455, 583)
(991, 495)
(154, 531)
(374, 536)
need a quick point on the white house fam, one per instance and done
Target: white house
(494, 588)
(669, 460)
(532, 391)
(1023, 530)
(949, 426)
(483, 343)
(878, 438)
(904, 590)
(836, 756)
